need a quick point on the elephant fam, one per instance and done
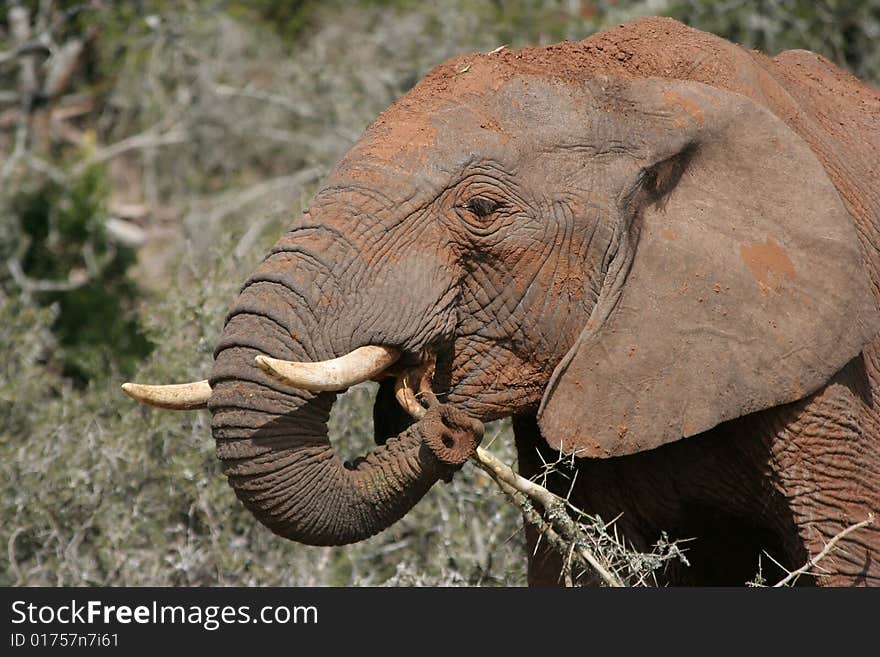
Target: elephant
(653, 249)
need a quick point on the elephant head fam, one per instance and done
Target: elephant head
(635, 259)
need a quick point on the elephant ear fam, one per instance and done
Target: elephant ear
(737, 284)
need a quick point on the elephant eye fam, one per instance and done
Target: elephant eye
(482, 206)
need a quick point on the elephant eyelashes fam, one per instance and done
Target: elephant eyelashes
(658, 180)
(481, 206)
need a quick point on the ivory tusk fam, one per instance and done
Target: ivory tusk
(413, 383)
(406, 397)
(358, 366)
(178, 397)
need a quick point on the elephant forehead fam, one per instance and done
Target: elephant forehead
(421, 134)
(483, 108)
(433, 137)
(409, 133)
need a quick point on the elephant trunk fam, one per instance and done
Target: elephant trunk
(273, 438)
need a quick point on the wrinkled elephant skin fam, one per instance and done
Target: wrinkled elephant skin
(655, 249)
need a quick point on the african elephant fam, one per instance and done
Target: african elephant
(654, 249)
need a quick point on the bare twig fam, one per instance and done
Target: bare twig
(235, 200)
(62, 66)
(30, 48)
(21, 133)
(566, 571)
(77, 279)
(20, 28)
(828, 549)
(52, 172)
(13, 562)
(125, 232)
(227, 91)
(147, 139)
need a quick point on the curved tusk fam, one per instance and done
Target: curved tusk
(355, 367)
(406, 397)
(414, 383)
(178, 397)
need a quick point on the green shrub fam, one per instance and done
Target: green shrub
(69, 264)
(845, 31)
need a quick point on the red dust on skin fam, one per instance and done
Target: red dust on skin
(403, 143)
(768, 264)
(688, 105)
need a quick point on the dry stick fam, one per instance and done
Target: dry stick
(35, 285)
(236, 200)
(567, 569)
(812, 563)
(21, 134)
(148, 139)
(533, 517)
(13, 562)
(561, 531)
(262, 96)
(20, 29)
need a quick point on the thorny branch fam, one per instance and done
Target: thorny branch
(827, 550)
(559, 529)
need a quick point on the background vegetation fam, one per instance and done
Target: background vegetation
(150, 152)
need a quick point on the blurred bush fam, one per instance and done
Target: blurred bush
(150, 153)
(65, 261)
(845, 31)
